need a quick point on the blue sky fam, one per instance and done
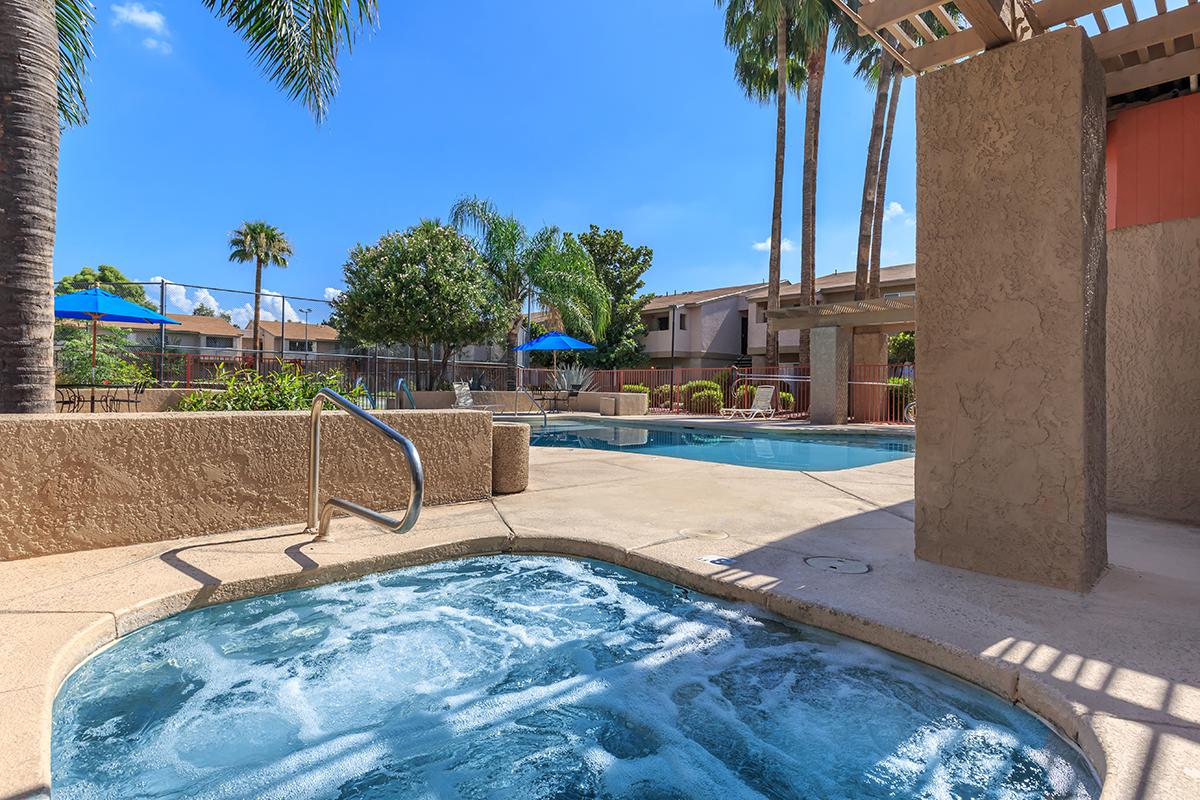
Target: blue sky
(621, 113)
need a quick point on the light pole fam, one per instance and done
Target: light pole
(673, 320)
(305, 312)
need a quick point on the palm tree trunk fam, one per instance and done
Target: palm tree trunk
(867, 215)
(258, 269)
(773, 267)
(28, 194)
(881, 192)
(808, 220)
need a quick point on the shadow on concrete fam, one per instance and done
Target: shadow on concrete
(209, 582)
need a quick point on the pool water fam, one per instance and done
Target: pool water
(811, 452)
(530, 677)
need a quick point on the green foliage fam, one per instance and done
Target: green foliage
(704, 401)
(261, 244)
(573, 375)
(115, 360)
(425, 287)
(750, 32)
(902, 348)
(636, 388)
(787, 401)
(108, 278)
(296, 45)
(744, 395)
(691, 387)
(551, 267)
(662, 395)
(287, 389)
(620, 268)
(900, 390)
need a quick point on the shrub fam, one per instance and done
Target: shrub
(744, 395)
(662, 395)
(900, 390)
(287, 389)
(704, 401)
(787, 401)
(902, 348)
(635, 388)
(115, 360)
(691, 387)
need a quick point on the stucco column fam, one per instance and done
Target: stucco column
(829, 369)
(869, 350)
(1010, 465)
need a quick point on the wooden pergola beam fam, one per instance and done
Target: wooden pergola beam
(1160, 70)
(945, 50)
(1056, 12)
(987, 18)
(882, 13)
(1152, 30)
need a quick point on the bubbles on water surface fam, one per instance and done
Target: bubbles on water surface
(528, 678)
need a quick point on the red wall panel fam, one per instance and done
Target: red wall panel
(1153, 163)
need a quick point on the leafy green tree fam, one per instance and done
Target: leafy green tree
(902, 348)
(549, 267)
(116, 361)
(620, 268)
(108, 278)
(426, 287)
(205, 310)
(45, 46)
(265, 245)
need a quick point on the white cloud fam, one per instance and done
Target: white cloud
(893, 210)
(157, 45)
(332, 294)
(785, 246)
(182, 301)
(139, 16)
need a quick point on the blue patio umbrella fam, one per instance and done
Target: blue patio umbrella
(555, 340)
(96, 305)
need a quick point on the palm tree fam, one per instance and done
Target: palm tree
(44, 49)
(550, 267)
(813, 24)
(760, 34)
(265, 245)
(885, 152)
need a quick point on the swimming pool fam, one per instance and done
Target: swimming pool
(530, 677)
(811, 452)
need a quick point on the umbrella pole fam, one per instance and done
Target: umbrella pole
(93, 402)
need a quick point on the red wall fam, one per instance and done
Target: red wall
(1153, 163)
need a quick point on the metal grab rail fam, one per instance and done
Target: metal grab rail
(318, 523)
(525, 391)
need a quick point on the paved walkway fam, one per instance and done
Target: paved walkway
(1117, 669)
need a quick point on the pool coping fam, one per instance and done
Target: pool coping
(753, 428)
(58, 628)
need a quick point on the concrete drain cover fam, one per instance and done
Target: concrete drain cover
(846, 565)
(704, 533)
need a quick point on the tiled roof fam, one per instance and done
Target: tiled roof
(189, 323)
(900, 273)
(665, 301)
(294, 330)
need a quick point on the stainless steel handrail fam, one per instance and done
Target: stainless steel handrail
(523, 390)
(319, 516)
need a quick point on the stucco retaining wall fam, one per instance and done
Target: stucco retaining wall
(1154, 369)
(626, 404)
(82, 481)
(151, 399)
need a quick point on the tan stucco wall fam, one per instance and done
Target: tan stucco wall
(76, 482)
(1010, 464)
(151, 399)
(1154, 369)
(829, 364)
(510, 457)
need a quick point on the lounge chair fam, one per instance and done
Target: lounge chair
(761, 407)
(463, 398)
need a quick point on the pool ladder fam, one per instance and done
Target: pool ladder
(320, 516)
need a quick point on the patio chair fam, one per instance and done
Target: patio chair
(761, 407)
(464, 399)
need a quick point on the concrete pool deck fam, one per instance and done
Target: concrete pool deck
(1117, 669)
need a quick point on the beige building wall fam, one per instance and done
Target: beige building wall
(1010, 465)
(79, 482)
(1154, 370)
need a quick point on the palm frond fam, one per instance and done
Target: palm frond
(297, 42)
(74, 21)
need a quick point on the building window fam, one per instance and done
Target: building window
(762, 313)
(219, 341)
(683, 322)
(893, 295)
(663, 323)
(301, 347)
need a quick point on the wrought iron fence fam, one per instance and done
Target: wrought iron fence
(879, 393)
